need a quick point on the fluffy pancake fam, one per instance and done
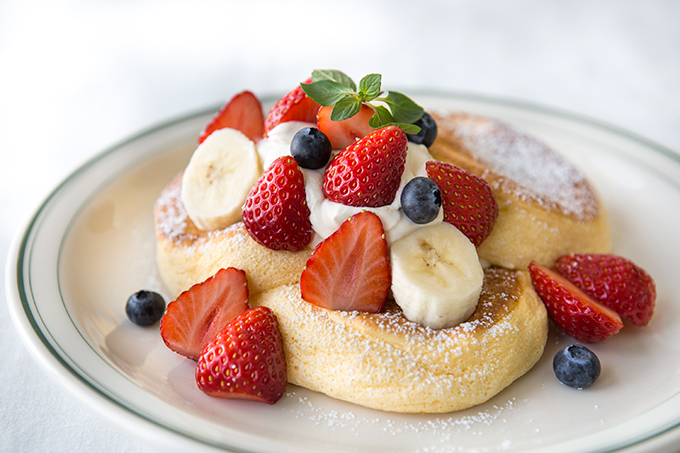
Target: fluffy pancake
(185, 255)
(546, 207)
(386, 362)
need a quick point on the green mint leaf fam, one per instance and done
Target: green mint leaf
(403, 108)
(369, 86)
(346, 108)
(407, 127)
(334, 76)
(326, 92)
(381, 117)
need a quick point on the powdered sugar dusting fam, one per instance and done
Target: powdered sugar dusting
(544, 175)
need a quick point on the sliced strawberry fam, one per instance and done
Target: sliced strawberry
(350, 269)
(468, 201)
(198, 314)
(572, 310)
(243, 113)
(613, 281)
(344, 133)
(295, 106)
(367, 172)
(245, 360)
(275, 212)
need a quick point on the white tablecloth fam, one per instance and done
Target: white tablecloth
(78, 76)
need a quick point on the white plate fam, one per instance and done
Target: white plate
(91, 244)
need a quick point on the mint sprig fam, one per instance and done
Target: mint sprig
(334, 88)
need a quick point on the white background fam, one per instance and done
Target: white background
(79, 76)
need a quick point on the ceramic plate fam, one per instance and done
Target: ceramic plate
(91, 245)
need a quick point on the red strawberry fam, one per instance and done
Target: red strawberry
(295, 106)
(275, 212)
(613, 281)
(468, 202)
(245, 360)
(344, 133)
(198, 314)
(571, 309)
(350, 270)
(367, 172)
(243, 113)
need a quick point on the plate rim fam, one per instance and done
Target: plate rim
(48, 357)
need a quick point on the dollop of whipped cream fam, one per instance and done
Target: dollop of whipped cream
(327, 216)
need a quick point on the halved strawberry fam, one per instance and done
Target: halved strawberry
(613, 281)
(245, 360)
(275, 212)
(350, 269)
(294, 106)
(201, 312)
(468, 201)
(344, 133)
(367, 172)
(243, 112)
(572, 310)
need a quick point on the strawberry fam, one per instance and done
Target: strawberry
(275, 212)
(243, 113)
(367, 172)
(295, 106)
(468, 201)
(245, 360)
(350, 269)
(572, 310)
(613, 281)
(198, 314)
(344, 133)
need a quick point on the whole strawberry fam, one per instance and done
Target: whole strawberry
(572, 310)
(275, 212)
(245, 360)
(467, 200)
(294, 106)
(367, 172)
(613, 281)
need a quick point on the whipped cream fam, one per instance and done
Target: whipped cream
(327, 216)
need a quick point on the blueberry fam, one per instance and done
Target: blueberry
(310, 148)
(576, 366)
(145, 307)
(428, 131)
(421, 200)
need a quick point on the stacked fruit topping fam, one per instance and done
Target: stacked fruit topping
(275, 212)
(238, 349)
(350, 269)
(588, 293)
(295, 106)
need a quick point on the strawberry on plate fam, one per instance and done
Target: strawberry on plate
(345, 132)
(294, 106)
(572, 310)
(350, 269)
(367, 172)
(613, 281)
(245, 360)
(275, 212)
(468, 201)
(200, 313)
(243, 112)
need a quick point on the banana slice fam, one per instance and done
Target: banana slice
(218, 178)
(436, 276)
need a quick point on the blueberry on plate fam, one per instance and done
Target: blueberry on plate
(421, 200)
(428, 131)
(311, 148)
(145, 308)
(576, 366)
